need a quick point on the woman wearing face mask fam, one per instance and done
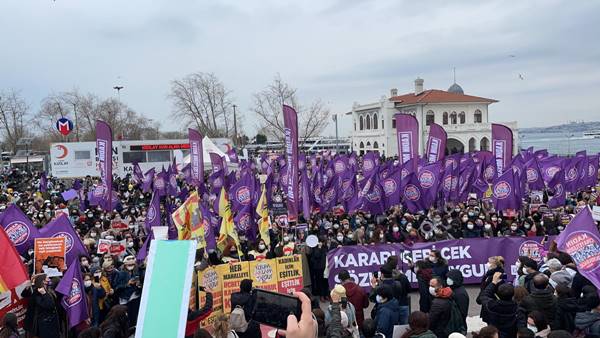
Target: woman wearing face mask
(494, 264)
(43, 299)
(317, 259)
(536, 322)
(261, 252)
(394, 235)
(514, 230)
(439, 265)
(471, 231)
(488, 230)
(95, 294)
(129, 286)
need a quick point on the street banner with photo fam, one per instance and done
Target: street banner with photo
(290, 119)
(62, 227)
(467, 255)
(502, 146)
(407, 133)
(233, 275)
(581, 241)
(18, 228)
(289, 274)
(49, 253)
(74, 299)
(264, 274)
(196, 157)
(436, 143)
(166, 293)
(104, 152)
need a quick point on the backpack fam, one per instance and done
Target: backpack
(456, 323)
(237, 320)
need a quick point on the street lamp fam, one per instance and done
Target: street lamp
(334, 118)
(25, 141)
(235, 134)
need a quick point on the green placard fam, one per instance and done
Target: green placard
(165, 298)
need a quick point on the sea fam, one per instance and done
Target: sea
(560, 143)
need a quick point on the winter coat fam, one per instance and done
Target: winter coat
(359, 298)
(564, 319)
(388, 315)
(405, 284)
(485, 281)
(439, 314)
(589, 322)
(540, 300)
(500, 313)
(459, 293)
(244, 299)
(95, 295)
(46, 321)
(334, 329)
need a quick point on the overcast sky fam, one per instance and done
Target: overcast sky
(341, 51)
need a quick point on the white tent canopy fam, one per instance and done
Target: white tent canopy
(208, 147)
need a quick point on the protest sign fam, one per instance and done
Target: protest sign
(596, 213)
(167, 283)
(115, 248)
(233, 275)
(264, 274)
(211, 278)
(11, 302)
(49, 252)
(119, 224)
(103, 246)
(289, 274)
(467, 255)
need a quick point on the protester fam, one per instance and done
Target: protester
(487, 332)
(439, 314)
(116, 324)
(566, 309)
(459, 293)
(95, 293)
(9, 326)
(387, 313)
(244, 300)
(589, 321)
(194, 317)
(498, 305)
(418, 326)
(356, 296)
(537, 322)
(346, 307)
(540, 299)
(222, 329)
(369, 329)
(45, 321)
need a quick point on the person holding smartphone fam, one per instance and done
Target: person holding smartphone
(45, 321)
(95, 293)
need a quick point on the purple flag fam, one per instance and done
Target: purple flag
(43, 182)
(187, 174)
(290, 119)
(592, 170)
(371, 196)
(306, 195)
(233, 158)
(18, 228)
(412, 193)
(160, 183)
(571, 173)
(391, 185)
(143, 253)
(450, 178)
(407, 133)
(540, 154)
(502, 144)
(216, 161)
(241, 194)
(76, 184)
(153, 213)
(436, 143)
(104, 149)
(148, 180)
(196, 157)
(62, 227)
(429, 178)
(557, 186)
(172, 187)
(370, 163)
(582, 242)
(138, 175)
(504, 194)
(549, 167)
(534, 175)
(69, 194)
(74, 299)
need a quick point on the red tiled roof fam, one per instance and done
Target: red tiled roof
(437, 96)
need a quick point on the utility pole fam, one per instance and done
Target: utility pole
(334, 117)
(118, 89)
(235, 134)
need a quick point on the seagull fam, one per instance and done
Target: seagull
(511, 56)
(521, 77)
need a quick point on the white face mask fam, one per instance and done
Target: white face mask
(432, 291)
(378, 299)
(524, 270)
(449, 281)
(532, 328)
(465, 219)
(286, 238)
(87, 283)
(432, 259)
(130, 245)
(470, 226)
(261, 247)
(395, 229)
(340, 238)
(130, 267)
(350, 236)
(494, 219)
(487, 227)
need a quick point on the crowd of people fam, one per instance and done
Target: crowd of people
(549, 299)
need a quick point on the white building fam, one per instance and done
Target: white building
(464, 117)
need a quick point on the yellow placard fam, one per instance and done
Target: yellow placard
(211, 278)
(264, 274)
(233, 275)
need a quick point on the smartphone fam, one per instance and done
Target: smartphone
(376, 274)
(272, 308)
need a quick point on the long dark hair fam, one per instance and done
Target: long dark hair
(116, 319)
(9, 325)
(418, 322)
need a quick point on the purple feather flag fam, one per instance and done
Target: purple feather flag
(196, 157)
(18, 228)
(505, 192)
(502, 146)
(581, 241)
(148, 180)
(62, 227)
(153, 215)
(43, 182)
(436, 143)
(306, 195)
(557, 186)
(104, 152)
(429, 178)
(290, 119)
(74, 299)
(216, 161)
(407, 133)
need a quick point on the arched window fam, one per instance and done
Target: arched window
(429, 118)
(361, 123)
(462, 117)
(478, 117)
(484, 144)
(445, 118)
(362, 145)
(453, 118)
(471, 144)
(375, 121)
(375, 145)
(368, 122)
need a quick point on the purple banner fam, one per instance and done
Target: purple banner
(467, 255)
(436, 143)
(407, 132)
(216, 161)
(196, 157)
(290, 119)
(104, 149)
(581, 241)
(502, 144)
(74, 299)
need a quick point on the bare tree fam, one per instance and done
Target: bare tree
(202, 100)
(268, 106)
(13, 117)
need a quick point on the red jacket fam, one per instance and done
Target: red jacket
(359, 298)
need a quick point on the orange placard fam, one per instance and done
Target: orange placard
(49, 253)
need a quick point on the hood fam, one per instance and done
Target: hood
(351, 289)
(456, 277)
(444, 293)
(584, 320)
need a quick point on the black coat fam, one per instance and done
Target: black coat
(485, 281)
(439, 316)
(540, 300)
(46, 324)
(500, 313)
(246, 301)
(459, 293)
(564, 319)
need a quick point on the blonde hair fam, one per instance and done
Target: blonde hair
(221, 326)
(498, 260)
